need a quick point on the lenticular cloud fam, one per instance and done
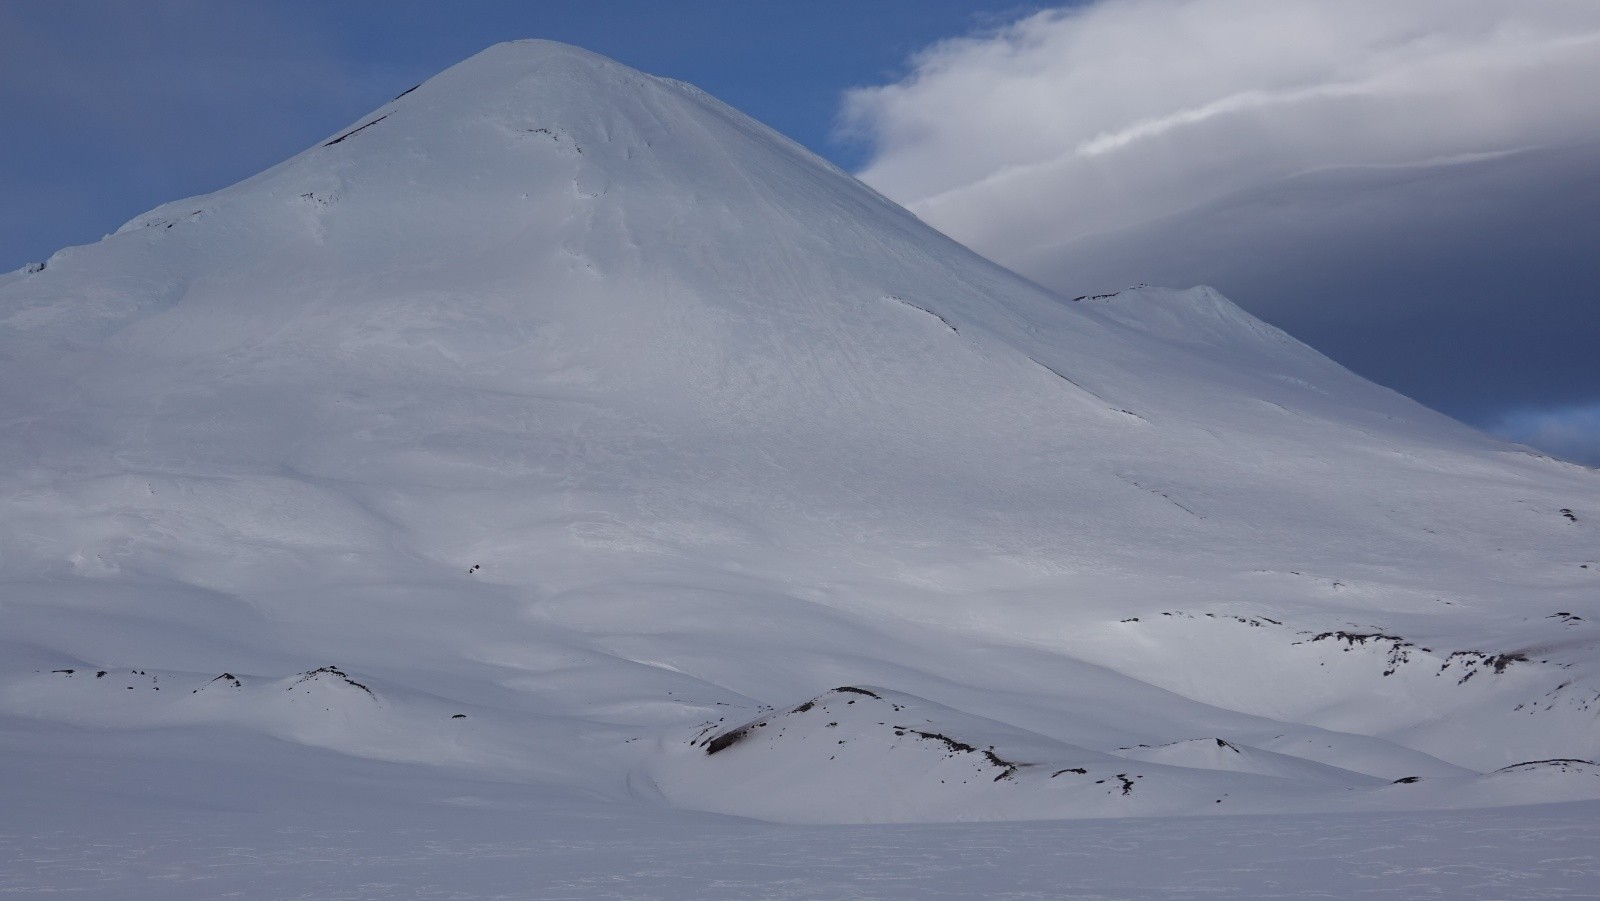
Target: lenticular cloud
(1076, 122)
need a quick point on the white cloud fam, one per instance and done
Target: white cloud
(1081, 121)
(1572, 433)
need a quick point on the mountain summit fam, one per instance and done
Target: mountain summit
(581, 420)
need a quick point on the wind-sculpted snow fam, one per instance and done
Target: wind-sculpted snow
(579, 418)
(1477, 708)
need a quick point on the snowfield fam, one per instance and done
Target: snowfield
(557, 484)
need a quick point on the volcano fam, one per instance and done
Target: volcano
(556, 436)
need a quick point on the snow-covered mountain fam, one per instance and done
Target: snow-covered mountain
(557, 426)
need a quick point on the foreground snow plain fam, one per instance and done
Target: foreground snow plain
(517, 489)
(164, 814)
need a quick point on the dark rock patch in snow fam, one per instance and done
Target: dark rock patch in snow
(335, 672)
(1007, 768)
(1472, 662)
(1558, 764)
(225, 679)
(356, 129)
(1399, 649)
(956, 747)
(728, 739)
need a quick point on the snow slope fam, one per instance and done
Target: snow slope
(554, 420)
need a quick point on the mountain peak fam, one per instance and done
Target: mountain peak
(567, 392)
(535, 124)
(528, 68)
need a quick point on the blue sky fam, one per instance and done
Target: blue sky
(1412, 188)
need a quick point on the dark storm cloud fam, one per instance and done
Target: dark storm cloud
(1470, 287)
(1413, 188)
